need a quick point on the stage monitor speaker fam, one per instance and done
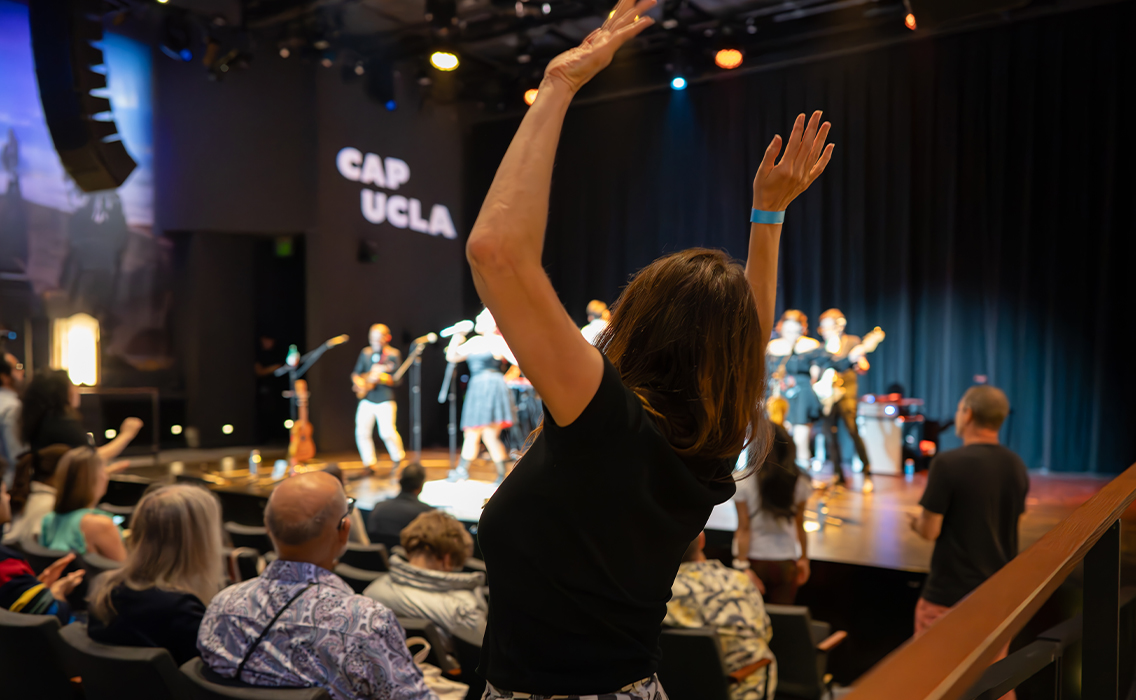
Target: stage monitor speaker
(932, 14)
(81, 124)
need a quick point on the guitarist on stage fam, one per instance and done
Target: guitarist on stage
(838, 344)
(372, 380)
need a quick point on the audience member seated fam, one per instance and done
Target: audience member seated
(771, 538)
(21, 590)
(300, 625)
(429, 583)
(358, 530)
(76, 525)
(174, 568)
(33, 492)
(390, 517)
(708, 594)
(10, 444)
(970, 509)
(51, 415)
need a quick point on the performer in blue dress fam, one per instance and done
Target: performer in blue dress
(488, 406)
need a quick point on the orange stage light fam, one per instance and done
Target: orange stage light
(728, 58)
(530, 96)
(909, 21)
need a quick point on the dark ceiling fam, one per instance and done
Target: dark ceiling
(504, 44)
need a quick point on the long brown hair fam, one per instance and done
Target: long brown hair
(175, 545)
(76, 479)
(686, 338)
(34, 466)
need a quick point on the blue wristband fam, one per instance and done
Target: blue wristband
(758, 216)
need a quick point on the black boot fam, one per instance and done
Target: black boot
(500, 472)
(461, 472)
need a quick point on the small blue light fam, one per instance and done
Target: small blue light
(186, 55)
(678, 83)
(869, 399)
(391, 105)
(890, 410)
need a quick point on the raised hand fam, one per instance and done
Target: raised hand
(577, 66)
(51, 573)
(130, 427)
(806, 156)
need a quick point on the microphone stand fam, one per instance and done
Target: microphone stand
(416, 407)
(300, 369)
(449, 390)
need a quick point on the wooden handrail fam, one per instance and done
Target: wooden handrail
(947, 659)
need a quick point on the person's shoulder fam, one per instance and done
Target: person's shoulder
(807, 344)
(777, 346)
(98, 521)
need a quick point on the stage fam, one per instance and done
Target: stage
(845, 526)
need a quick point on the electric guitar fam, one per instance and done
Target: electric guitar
(363, 385)
(830, 387)
(301, 448)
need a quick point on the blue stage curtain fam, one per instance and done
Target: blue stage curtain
(979, 207)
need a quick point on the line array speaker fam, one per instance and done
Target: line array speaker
(81, 124)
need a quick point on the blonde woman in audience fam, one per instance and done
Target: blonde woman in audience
(76, 525)
(158, 597)
(428, 581)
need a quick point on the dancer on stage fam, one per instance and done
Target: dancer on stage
(488, 403)
(839, 345)
(372, 380)
(598, 316)
(789, 359)
(584, 539)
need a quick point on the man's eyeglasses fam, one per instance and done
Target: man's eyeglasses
(350, 510)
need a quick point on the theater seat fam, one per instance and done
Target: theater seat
(358, 579)
(692, 667)
(96, 564)
(207, 685)
(253, 536)
(440, 647)
(243, 564)
(32, 658)
(801, 646)
(369, 557)
(40, 557)
(116, 673)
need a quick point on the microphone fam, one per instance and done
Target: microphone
(428, 338)
(459, 327)
(338, 340)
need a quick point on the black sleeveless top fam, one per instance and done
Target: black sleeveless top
(582, 543)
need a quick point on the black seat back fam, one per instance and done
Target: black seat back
(31, 658)
(252, 536)
(242, 508)
(692, 667)
(369, 557)
(125, 490)
(115, 673)
(441, 647)
(204, 684)
(800, 666)
(242, 564)
(40, 557)
(358, 579)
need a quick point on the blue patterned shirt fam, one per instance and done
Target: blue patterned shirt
(329, 637)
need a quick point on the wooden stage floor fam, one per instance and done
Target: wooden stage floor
(846, 526)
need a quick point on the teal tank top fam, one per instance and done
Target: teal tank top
(62, 532)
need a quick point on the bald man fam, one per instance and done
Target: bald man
(298, 624)
(372, 375)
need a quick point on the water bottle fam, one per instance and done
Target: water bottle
(909, 468)
(254, 462)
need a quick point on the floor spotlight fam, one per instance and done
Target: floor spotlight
(678, 83)
(728, 59)
(444, 60)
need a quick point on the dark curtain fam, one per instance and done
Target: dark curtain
(979, 207)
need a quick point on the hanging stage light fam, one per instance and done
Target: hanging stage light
(728, 59)
(444, 60)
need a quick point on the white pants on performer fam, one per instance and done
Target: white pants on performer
(367, 416)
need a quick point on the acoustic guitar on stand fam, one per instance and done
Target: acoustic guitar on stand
(301, 447)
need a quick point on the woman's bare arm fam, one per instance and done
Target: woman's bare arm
(504, 248)
(774, 187)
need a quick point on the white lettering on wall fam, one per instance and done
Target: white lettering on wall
(379, 207)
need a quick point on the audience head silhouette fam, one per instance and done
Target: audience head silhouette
(436, 540)
(982, 410)
(49, 394)
(307, 519)
(80, 480)
(412, 478)
(40, 466)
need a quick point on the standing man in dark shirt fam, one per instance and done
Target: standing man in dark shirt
(971, 506)
(389, 517)
(838, 344)
(372, 379)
